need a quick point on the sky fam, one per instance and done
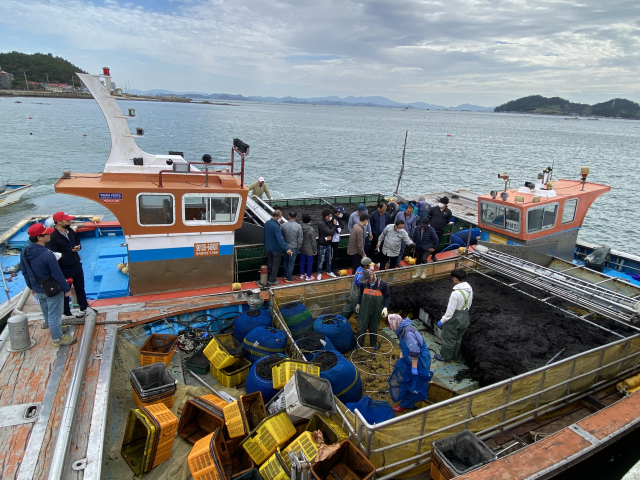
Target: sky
(447, 52)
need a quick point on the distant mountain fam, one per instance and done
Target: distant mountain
(38, 67)
(617, 107)
(373, 101)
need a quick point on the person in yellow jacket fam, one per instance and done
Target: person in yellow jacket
(258, 188)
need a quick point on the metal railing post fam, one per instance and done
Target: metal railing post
(573, 368)
(424, 423)
(506, 402)
(540, 387)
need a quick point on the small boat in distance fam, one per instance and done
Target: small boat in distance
(11, 192)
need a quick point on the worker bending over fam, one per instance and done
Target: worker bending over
(373, 302)
(354, 291)
(409, 382)
(456, 319)
(258, 188)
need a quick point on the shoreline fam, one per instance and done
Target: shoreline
(87, 96)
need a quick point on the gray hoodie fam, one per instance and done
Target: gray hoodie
(309, 243)
(393, 239)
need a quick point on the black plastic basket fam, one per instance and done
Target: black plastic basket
(462, 452)
(152, 380)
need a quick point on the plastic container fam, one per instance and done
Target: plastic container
(262, 342)
(331, 432)
(275, 468)
(209, 458)
(244, 414)
(166, 424)
(166, 399)
(306, 394)
(304, 443)
(297, 317)
(348, 462)
(272, 433)
(345, 379)
(215, 401)
(152, 380)
(260, 379)
(241, 462)
(253, 474)
(337, 329)
(284, 370)
(198, 420)
(137, 443)
(250, 320)
(223, 350)
(199, 366)
(234, 375)
(158, 348)
(458, 454)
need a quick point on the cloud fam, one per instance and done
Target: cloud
(404, 49)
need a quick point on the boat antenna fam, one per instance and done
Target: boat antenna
(402, 167)
(552, 165)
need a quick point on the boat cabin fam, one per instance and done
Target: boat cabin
(178, 218)
(543, 217)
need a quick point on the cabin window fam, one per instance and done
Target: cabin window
(498, 216)
(569, 210)
(542, 218)
(155, 209)
(210, 209)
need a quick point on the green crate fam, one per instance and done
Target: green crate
(200, 370)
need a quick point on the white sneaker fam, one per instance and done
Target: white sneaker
(81, 314)
(331, 274)
(309, 278)
(377, 265)
(319, 276)
(68, 317)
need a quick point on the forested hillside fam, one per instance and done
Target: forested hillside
(37, 67)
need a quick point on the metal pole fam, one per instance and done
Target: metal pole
(4, 282)
(222, 395)
(23, 299)
(402, 167)
(468, 239)
(66, 422)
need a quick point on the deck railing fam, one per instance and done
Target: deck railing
(403, 444)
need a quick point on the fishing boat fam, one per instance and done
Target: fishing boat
(191, 238)
(11, 193)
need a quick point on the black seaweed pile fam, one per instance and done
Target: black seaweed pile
(263, 369)
(327, 360)
(510, 333)
(199, 359)
(310, 342)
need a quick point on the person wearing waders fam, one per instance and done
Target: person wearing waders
(354, 291)
(373, 301)
(409, 382)
(456, 319)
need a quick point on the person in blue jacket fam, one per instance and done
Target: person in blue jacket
(409, 382)
(37, 263)
(274, 244)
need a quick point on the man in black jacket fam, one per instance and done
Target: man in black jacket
(326, 230)
(65, 241)
(378, 220)
(439, 217)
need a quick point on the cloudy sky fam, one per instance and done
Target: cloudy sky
(447, 52)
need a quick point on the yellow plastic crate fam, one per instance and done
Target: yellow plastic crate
(244, 414)
(218, 351)
(208, 457)
(215, 400)
(331, 432)
(166, 424)
(285, 369)
(233, 375)
(274, 468)
(137, 444)
(272, 433)
(305, 443)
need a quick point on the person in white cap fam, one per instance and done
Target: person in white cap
(258, 188)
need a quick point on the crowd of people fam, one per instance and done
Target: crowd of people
(382, 235)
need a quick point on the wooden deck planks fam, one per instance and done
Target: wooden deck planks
(82, 424)
(612, 419)
(24, 375)
(80, 432)
(13, 442)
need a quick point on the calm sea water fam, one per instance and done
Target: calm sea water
(317, 150)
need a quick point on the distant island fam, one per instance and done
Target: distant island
(616, 107)
(39, 68)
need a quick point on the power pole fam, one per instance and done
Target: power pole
(47, 78)
(25, 80)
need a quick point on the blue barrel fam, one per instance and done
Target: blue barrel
(313, 342)
(338, 330)
(297, 317)
(255, 382)
(344, 378)
(462, 236)
(262, 342)
(250, 320)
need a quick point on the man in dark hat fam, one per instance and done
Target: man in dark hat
(439, 217)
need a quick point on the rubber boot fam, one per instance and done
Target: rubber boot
(424, 273)
(417, 273)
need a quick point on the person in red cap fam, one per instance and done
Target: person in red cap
(39, 266)
(65, 241)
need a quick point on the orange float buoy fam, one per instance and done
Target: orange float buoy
(84, 134)
(448, 134)
(30, 118)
